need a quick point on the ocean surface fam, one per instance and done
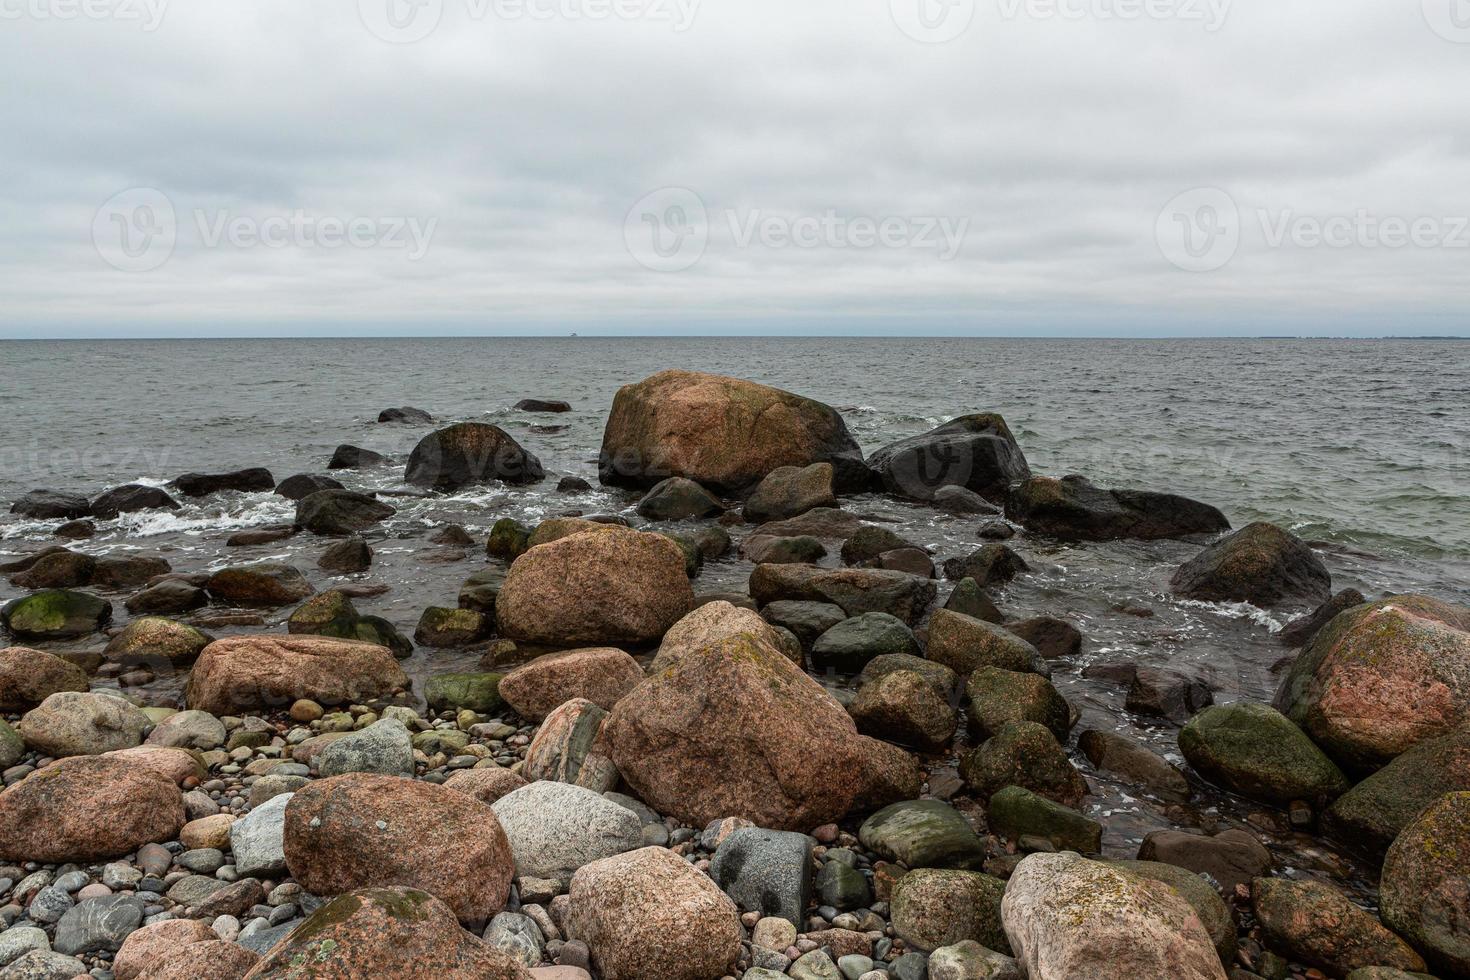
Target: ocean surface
(1362, 447)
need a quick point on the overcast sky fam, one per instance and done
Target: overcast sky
(1075, 167)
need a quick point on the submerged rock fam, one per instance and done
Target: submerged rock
(1016, 812)
(303, 485)
(355, 457)
(50, 505)
(1260, 564)
(977, 452)
(254, 480)
(725, 433)
(340, 512)
(545, 405)
(411, 416)
(1072, 508)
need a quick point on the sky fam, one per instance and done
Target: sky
(928, 167)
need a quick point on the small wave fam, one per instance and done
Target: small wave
(1236, 610)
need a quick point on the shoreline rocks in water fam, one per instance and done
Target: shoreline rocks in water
(1072, 508)
(470, 453)
(976, 452)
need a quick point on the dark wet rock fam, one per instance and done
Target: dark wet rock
(992, 564)
(1260, 564)
(1230, 858)
(1167, 694)
(55, 614)
(508, 540)
(996, 531)
(59, 570)
(965, 644)
(470, 453)
(78, 530)
(551, 405)
(440, 626)
(572, 484)
(412, 416)
(969, 599)
(914, 561)
(819, 522)
(1000, 696)
(977, 452)
(261, 584)
(1135, 763)
(1371, 814)
(481, 589)
(129, 498)
(168, 597)
(1381, 678)
(1025, 754)
(923, 834)
(340, 512)
(1015, 812)
(1052, 638)
(346, 457)
(870, 541)
(677, 499)
(25, 562)
(332, 613)
(1312, 922)
(766, 871)
(1255, 750)
(127, 572)
(1073, 509)
(254, 480)
(850, 644)
(903, 706)
(941, 678)
(1216, 916)
(790, 491)
(28, 677)
(1302, 630)
(935, 907)
(856, 590)
(724, 432)
(763, 549)
(806, 620)
(259, 536)
(1425, 886)
(962, 501)
(1121, 674)
(347, 557)
(303, 485)
(50, 505)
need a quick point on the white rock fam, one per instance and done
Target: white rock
(256, 839)
(556, 828)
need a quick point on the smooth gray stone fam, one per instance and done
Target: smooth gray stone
(766, 871)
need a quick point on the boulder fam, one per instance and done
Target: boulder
(384, 747)
(1137, 764)
(354, 457)
(903, 706)
(1026, 754)
(802, 619)
(73, 723)
(76, 530)
(347, 557)
(407, 415)
(736, 729)
(1371, 814)
(1069, 917)
(1256, 751)
(855, 590)
(1312, 922)
(556, 828)
(819, 522)
(848, 646)
(923, 834)
(551, 405)
(976, 452)
(766, 871)
(969, 960)
(1170, 694)
(340, 512)
(1053, 638)
(870, 541)
(569, 748)
(1260, 564)
(790, 491)
(965, 644)
(470, 453)
(961, 501)
(215, 958)
(55, 614)
(1381, 678)
(1304, 629)
(650, 914)
(933, 907)
(89, 808)
(129, 498)
(303, 485)
(12, 746)
(128, 572)
(52, 505)
(990, 564)
(969, 599)
(608, 585)
(1015, 812)
(254, 480)
(602, 675)
(764, 549)
(724, 432)
(371, 831)
(941, 678)
(719, 620)
(246, 673)
(151, 942)
(167, 598)
(157, 642)
(1000, 696)
(268, 584)
(385, 932)
(479, 692)
(443, 627)
(257, 840)
(481, 590)
(58, 570)
(1073, 509)
(678, 499)
(1424, 890)
(28, 677)
(485, 783)
(1229, 858)
(332, 613)
(197, 730)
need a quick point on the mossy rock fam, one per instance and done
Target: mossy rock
(1025, 754)
(452, 692)
(1256, 751)
(1371, 814)
(55, 614)
(441, 626)
(693, 557)
(999, 696)
(332, 614)
(969, 599)
(481, 589)
(12, 746)
(1425, 886)
(923, 834)
(1015, 812)
(154, 639)
(508, 539)
(931, 908)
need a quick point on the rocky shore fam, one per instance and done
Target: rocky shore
(856, 767)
